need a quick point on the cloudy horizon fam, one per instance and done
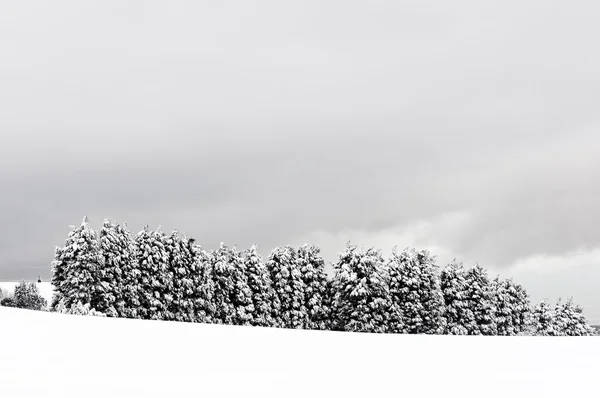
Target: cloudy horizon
(468, 129)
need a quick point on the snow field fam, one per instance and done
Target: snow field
(54, 355)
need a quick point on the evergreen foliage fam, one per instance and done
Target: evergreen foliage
(8, 301)
(169, 277)
(117, 275)
(453, 285)
(329, 302)
(289, 287)
(232, 298)
(415, 293)
(27, 296)
(362, 299)
(571, 321)
(202, 289)
(77, 309)
(154, 287)
(179, 278)
(481, 296)
(513, 307)
(312, 268)
(76, 268)
(544, 320)
(264, 299)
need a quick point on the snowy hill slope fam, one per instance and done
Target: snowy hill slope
(55, 355)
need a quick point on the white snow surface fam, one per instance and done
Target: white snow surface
(45, 354)
(45, 288)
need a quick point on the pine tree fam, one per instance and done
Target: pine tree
(118, 257)
(202, 290)
(264, 298)
(76, 268)
(27, 296)
(128, 304)
(232, 298)
(453, 285)
(153, 287)
(513, 308)
(180, 277)
(544, 322)
(571, 321)
(289, 288)
(312, 269)
(481, 302)
(415, 292)
(362, 298)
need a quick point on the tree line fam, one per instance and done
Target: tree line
(167, 276)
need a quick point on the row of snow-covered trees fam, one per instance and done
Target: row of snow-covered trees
(160, 276)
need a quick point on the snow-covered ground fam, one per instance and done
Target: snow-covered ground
(45, 288)
(54, 355)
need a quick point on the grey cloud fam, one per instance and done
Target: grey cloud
(264, 122)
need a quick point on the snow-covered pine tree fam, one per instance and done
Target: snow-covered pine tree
(77, 309)
(513, 307)
(76, 266)
(571, 321)
(202, 290)
(264, 298)
(180, 277)
(117, 298)
(312, 269)
(361, 295)
(453, 285)
(232, 298)
(153, 264)
(544, 322)
(414, 286)
(128, 304)
(288, 284)
(27, 296)
(482, 297)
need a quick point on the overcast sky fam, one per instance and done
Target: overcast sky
(468, 128)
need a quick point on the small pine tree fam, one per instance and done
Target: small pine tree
(289, 288)
(513, 308)
(264, 298)
(362, 298)
(8, 301)
(571, 321)
(453, 285)
(481, 297)
(544, 322)
(312, 269)
(77, 309)
(76, 268)
(415, 291)
(232, 298)
(28, 297)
